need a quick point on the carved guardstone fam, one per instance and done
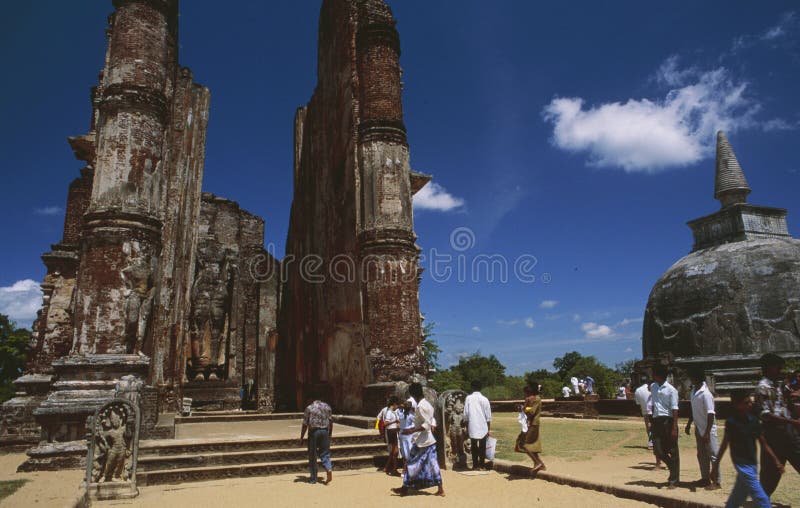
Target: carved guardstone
(113, 451)
(451, 436)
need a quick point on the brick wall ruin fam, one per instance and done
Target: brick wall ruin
(352, 319)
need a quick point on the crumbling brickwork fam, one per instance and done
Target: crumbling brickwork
(350, 307)
(130, 280)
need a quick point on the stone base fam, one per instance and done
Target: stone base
(83, 384)
(112, 490)
(17, 424)
(375, 397)
(55, 457)
(213, 395)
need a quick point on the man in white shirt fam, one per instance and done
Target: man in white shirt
(565, 392)
(665, 424)
(705, 429)
(641, 395)
(574, 382)
(478, 419)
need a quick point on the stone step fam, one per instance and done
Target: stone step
(169, 462)
(228, 445)
(197, 474)
(234, 416)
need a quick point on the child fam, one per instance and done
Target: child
(741, 431)
(391, 423)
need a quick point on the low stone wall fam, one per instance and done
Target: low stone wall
(600, 408)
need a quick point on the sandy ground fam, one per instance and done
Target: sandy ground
(370, 488)
(43, 489)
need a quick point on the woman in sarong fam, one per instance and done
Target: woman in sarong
(533, 439)
(422, 467)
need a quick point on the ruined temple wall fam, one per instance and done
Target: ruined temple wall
(181, 205)
(233, 305)
(355, 320)
(321, 322)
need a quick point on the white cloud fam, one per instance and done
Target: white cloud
(529, 323)
(628, 350)
(435, 197)
(597, 331)
(47, 210)
(510, 322)
(21, 301)
(476, 329)
(628, 321)
(576, 317)
(548, 304)
(643, 135)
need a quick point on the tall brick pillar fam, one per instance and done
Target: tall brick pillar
(386, 236)
(120, 239)
(122, 227)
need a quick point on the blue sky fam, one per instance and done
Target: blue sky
(576, 133)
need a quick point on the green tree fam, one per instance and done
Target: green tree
(447, 380)
(486, 369)
(14, 347)
(625, 369)
(550, 381)
(565, 364)
(430, 348)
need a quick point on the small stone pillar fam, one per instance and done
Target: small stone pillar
(451, 440)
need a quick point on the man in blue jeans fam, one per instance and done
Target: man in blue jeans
(317, 420)
(742, 429)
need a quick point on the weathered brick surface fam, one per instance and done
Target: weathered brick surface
(353, 318)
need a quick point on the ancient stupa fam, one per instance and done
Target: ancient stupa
(736, 296)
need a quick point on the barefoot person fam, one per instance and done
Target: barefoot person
(533, 440)
(406, 441)
(741, 432)
(391, 424)
(422, 467)
(317, 420)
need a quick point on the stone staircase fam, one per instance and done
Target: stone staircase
(179, 461)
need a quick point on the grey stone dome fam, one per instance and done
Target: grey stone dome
(735, 298)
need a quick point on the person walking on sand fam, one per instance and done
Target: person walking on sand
(705, 429)
(478, 419)
(781, 431)
(741, 432)
(532, 444)
(391, 426)
(422, 467)
(641, 395)
(665, 424)
(406, 418)
(317, 420)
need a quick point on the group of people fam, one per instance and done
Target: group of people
(409, 430)
(773, 420)
(583, 385)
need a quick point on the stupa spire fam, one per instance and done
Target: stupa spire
(730, 185)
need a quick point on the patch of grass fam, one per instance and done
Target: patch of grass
(8, 487)
(568, 439)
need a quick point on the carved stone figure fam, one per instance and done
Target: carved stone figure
(113, 447)
(211, 312)
(454, 447)
(139, 292)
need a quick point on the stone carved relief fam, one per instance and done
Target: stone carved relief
(139, 293)
(452, 436)
(113, 449)
(210, 319)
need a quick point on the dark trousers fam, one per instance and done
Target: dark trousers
(666, 448)
(478, 448)
(784, 440)
(319, 445)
